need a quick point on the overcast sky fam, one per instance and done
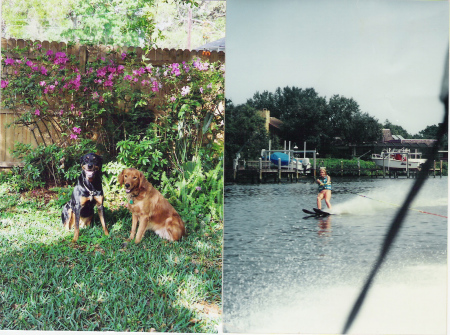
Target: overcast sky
(387, 55)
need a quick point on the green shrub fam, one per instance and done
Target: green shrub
(198, 195)
(48, 164)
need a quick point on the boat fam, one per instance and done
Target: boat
(399, 159)
(280, 155)
(301, 164)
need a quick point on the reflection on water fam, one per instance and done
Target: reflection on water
(287, 272)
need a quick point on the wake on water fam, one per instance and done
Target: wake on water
(433, 194)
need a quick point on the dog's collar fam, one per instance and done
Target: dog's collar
(131, 196)
(92, 193)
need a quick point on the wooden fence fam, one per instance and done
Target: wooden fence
(84, 54)
(11, 135)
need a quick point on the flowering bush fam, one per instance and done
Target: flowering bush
(112, 103)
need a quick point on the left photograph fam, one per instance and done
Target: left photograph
(111, 165)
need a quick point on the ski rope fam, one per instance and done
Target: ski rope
(396, 205)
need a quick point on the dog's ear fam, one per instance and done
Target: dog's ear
(141, 180)
(120, 177)
(100, 161)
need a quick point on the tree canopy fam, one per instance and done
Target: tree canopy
(309, 117)
(161, 23)
(244, 132)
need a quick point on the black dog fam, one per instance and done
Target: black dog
(88, 192)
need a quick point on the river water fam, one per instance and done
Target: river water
(284, 272)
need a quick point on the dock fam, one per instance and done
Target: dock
(262, 171)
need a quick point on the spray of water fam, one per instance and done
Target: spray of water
(392, 196)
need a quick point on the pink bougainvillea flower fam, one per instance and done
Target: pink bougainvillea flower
(95, 95)
(173, 99)
(185, 90)
(201, 66)
(112, 69)
(120, 68)
(101, 72)
(9, 61)
(101, 99)
(127, 77)
(49, 52)
(44, 71)
(201, 90)
(60, 58)
(72, 106)
(29, 63)
(42, 83)
(37, 112)
(61, 112)
(18, 61)
(76, 130)
(75, 83)
(35, 68)
(198, 188)
(39, 46)
(209, 85)
(148, 69)
(124, 55)
(109, 83)
(73, 136)
(155, 86)
(4, 83)
(135, 80)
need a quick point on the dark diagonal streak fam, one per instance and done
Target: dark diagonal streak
(397, 223)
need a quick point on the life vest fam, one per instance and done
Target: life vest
(325, 186)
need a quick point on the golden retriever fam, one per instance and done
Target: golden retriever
(150, 208)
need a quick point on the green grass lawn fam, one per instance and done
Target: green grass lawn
(49, 283)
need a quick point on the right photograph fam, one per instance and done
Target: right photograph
(336, 167)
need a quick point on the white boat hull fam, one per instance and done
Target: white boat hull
(398, 159)
(396, 164)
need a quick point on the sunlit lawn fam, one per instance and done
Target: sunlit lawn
(49, 283)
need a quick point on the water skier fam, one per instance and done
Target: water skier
(324, 182)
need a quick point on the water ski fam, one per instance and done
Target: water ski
(309, 212)
(320, 212)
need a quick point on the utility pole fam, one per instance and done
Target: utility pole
(189, 28)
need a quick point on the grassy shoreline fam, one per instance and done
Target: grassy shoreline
(49, 283)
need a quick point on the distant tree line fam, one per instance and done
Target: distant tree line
(306, 116)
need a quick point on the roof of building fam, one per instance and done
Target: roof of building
(218, 45)
(274, 122)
